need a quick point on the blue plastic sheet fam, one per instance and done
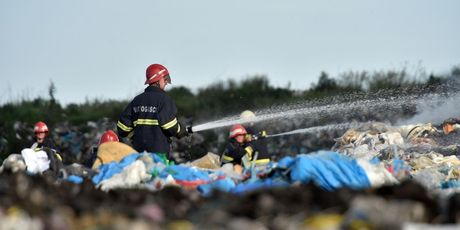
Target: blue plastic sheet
(285, 162)
(75, 179)
(329, 170)
(260, 184)
(106, 171)
(225, 185)
(184, 173)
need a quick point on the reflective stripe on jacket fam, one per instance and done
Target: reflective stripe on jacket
(150, 120)
(260, 144)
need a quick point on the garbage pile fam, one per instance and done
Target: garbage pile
(34, 202)
(76, 142)
(376, 177)
(420, 152)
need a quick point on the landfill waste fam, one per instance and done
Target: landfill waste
(208, 161)
(370, 175)
(13, 163)
(390, 183)
(36, 162)
(41, 203)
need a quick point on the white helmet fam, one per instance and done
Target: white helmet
(247, 115)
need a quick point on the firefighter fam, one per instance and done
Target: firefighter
(41, 140)
(45, 144)
(150, 119)
(256, 136)
(107, 136)
(110, 149)
(40, 136)
(237, 148)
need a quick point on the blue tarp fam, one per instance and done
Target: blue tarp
(185, 173)
(225, 185)
(106, 171)
(329, 170)
(75, 179)
(260, 184)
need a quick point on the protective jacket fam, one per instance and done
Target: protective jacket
(53, 154)
(47, 144)
(235, 151)
(150, 121)
(260, 144)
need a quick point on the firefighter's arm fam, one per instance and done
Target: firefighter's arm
(168, 121)
(174, 128)
(249, 150)
(58, 156)
(125, 124)
(226, 158)
(229, 154)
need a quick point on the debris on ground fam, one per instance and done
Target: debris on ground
(376, 176)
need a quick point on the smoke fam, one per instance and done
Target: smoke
(437, 114)
(437, 109)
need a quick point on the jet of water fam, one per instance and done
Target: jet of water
(317, 129)
(316, 111)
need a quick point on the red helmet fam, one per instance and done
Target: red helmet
(40, 127)
(108, 136)
(237, 130)
(155, 72)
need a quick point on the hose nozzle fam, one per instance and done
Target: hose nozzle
(189, 128)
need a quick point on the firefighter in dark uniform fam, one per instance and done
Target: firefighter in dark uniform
(256, 136)
(237, 148)
(42, 143)
(150, 119)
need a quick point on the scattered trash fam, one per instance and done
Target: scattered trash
(376, 176)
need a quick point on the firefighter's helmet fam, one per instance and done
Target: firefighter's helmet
(108, 136)
(155, 72)
(40, 127)
(237, 130)
(247, 115)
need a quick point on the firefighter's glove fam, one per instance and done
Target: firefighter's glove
(182, 132)
(259, 135)
(248, 138)
(262, 134)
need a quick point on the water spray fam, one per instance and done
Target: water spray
(317, 129)
(307, 109)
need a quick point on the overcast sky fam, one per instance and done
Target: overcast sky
(100, 48)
